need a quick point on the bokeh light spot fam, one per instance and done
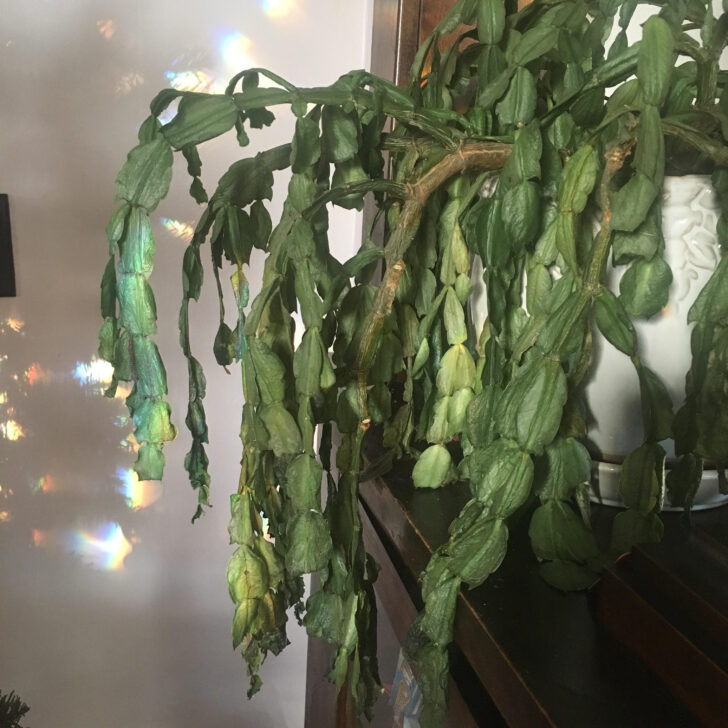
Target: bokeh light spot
(46, 484)
(11, 430)
(235, 50)
(200, 81)
(277, 8)
(104, 548)
(94, 372)
(182, 230)
(138, 493)
(35, 374)
(107, 28)
(127, 83)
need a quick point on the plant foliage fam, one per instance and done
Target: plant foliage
(12, 709)
(577, 135)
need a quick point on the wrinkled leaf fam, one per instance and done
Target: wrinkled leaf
(308, 363)
(656, 404)
(149, 464)
(340, 137)
(454, 318)
(269, 372)
(480, 417)
(577, 182)
(501, 476)
(614, 322)
(152, 422)
(632, 202)
(529, 411)
(303, 483)
(480, 550)
(457, 370)
(144, 179)
(645, 287)
(642, 242)
(557, 533)
(309, 543)
(137, 309)
(306, 146)
(521, 213)
(566, 465)
(285, 437)
(640, 479)
(224, 345)
(683, 481)
(519, 104)
(711, 305)
(200, 117)
(432, 468)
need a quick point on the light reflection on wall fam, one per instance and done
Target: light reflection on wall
(123, 390)
(278, 8)
(191, 80)
(51, 500)
(127, 83)
(104, 547)
(5, 513)
(235, 48)
(107, 28)
(46, 484)
(129, 443)
(35, 374)
(96, 373)
(15, 324)
(138, 493)
(181, 230)
(12, 430)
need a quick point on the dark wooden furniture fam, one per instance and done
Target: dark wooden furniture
(399, 26)
(646, 647)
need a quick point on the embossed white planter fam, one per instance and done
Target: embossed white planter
(689, 217)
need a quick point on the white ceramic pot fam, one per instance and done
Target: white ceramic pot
(689, 217)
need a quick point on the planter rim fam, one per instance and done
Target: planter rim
(674, 178)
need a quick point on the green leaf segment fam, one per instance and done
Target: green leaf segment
(516, 104)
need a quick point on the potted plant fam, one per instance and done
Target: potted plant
(12, 709)
(573, 138)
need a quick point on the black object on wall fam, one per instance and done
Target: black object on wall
(7, 269)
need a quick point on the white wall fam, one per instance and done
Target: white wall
(90, 636)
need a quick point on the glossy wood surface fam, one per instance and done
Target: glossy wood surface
(541, 655)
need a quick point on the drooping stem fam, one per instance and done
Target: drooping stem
(476, 156)
(615, 159)
(703, 143)
(471, 156)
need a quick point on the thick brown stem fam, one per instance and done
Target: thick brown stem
(476, 156)
(615, 159)
(345, 704)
